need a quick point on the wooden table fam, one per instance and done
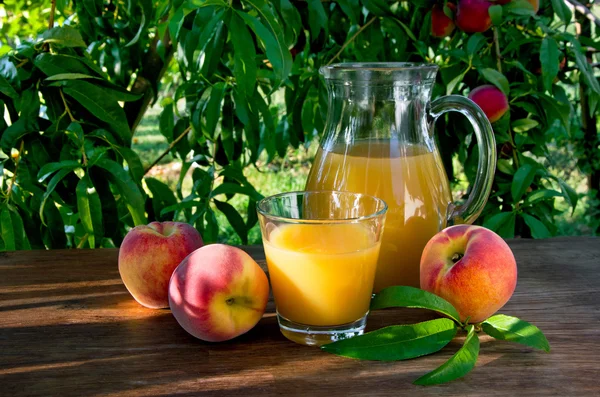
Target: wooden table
(69, 327)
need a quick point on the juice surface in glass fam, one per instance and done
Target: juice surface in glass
(410, 179)
(322, 274)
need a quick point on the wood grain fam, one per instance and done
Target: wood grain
(68, 327)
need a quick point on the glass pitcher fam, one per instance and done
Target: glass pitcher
(379, 140)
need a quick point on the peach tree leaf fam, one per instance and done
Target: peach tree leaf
(397, 342)
(457, 366)
(403, 296)
(512, 329)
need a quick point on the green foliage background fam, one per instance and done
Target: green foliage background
(242, 86)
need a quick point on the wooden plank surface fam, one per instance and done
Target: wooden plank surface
(68, 327)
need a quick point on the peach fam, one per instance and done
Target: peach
(472, 16)
(148, 256)
(441, 25)
(472, 268)
(491, 100)
(218, 292)
(535, 4)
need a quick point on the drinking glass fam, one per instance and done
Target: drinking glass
(322, 249)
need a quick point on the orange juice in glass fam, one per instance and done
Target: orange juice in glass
(322, 250)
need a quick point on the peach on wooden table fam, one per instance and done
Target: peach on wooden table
(218, 292)
(472, 268)
(148, 256)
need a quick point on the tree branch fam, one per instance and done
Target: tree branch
(52, 12)
(497, 47)
(171, 146)
(351, 39)
(584, 11)
(14, 177)
(153, 68)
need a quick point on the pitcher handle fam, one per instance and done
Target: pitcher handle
(486, 143)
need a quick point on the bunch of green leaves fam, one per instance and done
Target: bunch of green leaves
(404, 342)
(70, 177)
(248, 88)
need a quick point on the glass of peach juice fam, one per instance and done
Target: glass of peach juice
(322, 249)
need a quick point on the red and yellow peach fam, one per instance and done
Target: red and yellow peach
(491, 100)
(472, 268)
(441, 24)
(472, 16)
(148, 256)
(218, 292)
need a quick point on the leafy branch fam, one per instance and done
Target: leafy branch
(168, 150)
(403, 342)
(351, 39)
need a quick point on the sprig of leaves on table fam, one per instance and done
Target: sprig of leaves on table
(403, 342)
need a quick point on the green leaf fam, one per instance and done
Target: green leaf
(495, 12)
(211, 231)
(16, 131)
(496, 78)
(504, 166)
(503, 327)
(522, 180)
(90, 210)
(235, 220)
(213, 109)
(166, 123)
(244, 55)
(377, 7)
(455, 81)
(542, 194)
(474, 44)
(273, 39)
(162, 197)
(520, 7)
(21, 239)
(457, 366)
(562, 11)
(549, 60)
(54, 181)
(8, 233)
(7, 89)
(584, 67)
(227, 128)
(145, 20)
(252, 214)
(291, 19)
(537, 228)
(54, 64)
(523, 125)
(70, 76)
(232, 188)
(134, 164)
(50, 168)
(502, 223)
(402, 296)
(569, 193)
(94, 99)
(407, 30)
(65, 36)
(555, 110)
(127, 188)
(317, 18)
(397, 342)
